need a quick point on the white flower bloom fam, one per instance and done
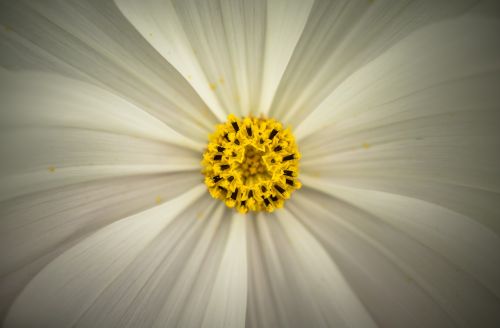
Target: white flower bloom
(105, 111)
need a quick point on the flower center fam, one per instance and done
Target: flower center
(251, 164)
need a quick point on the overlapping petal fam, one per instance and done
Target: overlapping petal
(400, 254)
(426, 129)
(94, 42)
(155, 268)
(75, 158)
(293, 282)
(103, 218)
(402, 152)
(233, 53)
(340, 38)
(66, 291)
(37, 227)
(46, 142)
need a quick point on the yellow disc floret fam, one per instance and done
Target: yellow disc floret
(251, 164)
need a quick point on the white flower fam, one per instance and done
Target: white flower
(105, 111)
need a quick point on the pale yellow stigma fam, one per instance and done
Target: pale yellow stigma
(251, 164)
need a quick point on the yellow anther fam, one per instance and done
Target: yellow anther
(251, 164)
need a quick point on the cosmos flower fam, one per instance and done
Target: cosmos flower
(392, 110)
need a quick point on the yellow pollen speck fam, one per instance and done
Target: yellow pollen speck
(212, 86)
(52, 169)
(315, 174)
(251, 164)
(366, 145)
(158, 200)
(221, 80)
(189, 77)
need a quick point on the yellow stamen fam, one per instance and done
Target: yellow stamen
(251, 164)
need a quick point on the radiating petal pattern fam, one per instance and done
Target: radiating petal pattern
(401, 254)
(441, 69)
(105, 108)
(228, 299)
(216, 271)
(293, 282)
(426, 129)
(233, 53)
(75, 158)
(404, 150)
(91, 40)
(138, 295)
(62, 293)
(37, 227)
(341, 37)
(45, 143)
(37, 99)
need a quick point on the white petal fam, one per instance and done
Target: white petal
(95, 43)
(37, 227)
(444, 68)
(159, 24)
(227, 40)
(57, 131)
(401, 254)
(36, 99)
(264, 307)
(427, 128)
(190, 291)
(285, 23)
(296, 280)
(455, 236)
(156, 287)
(233, 53)
(64, 290)
(49, 158)
(228, 301)
(341, 37)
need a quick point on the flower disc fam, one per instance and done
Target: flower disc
(251, 164)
